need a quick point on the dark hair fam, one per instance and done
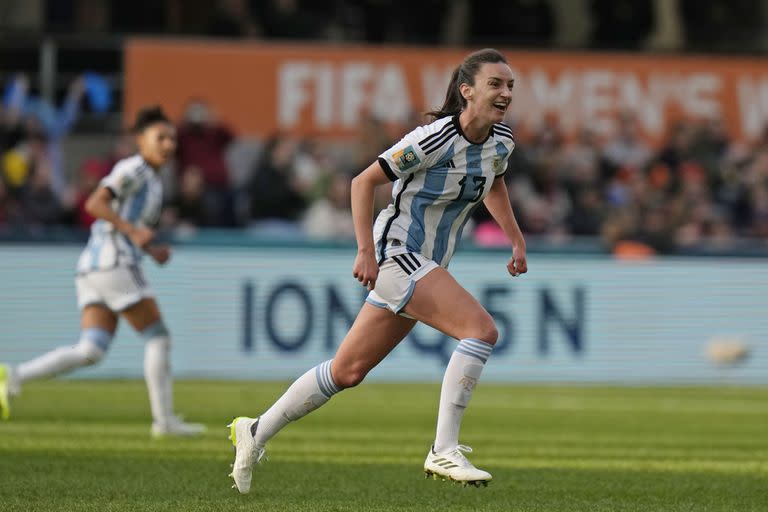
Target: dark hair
(148, 116)
(465, 74)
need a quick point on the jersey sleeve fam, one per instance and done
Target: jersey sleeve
(123, 181)
(408, 156)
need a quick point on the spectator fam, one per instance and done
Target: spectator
(543, 202)
(276, 202)
(91, 173)
(189, 210)
(372, 139)
(677, 148)
(16, 164)
(4, 200)
(548, 142)
(588, 212)
(582, 161)
(627, 149)
(202, 144)
(11, 132)
(40, 206)
(330, 217)
(313, 170)
(758, 226)
(48, 124)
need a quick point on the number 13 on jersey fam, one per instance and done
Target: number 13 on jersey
(478, 182)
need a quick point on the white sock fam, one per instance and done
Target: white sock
(306, 394)
(157, 374)
(89, 350)
(461, 376)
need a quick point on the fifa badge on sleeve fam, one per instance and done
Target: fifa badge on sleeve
(406, 158)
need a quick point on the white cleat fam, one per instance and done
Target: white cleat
(454, 466)
(176, 427)
(242, 430)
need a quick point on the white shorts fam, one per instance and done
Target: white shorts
(117, 289)
(397, 279)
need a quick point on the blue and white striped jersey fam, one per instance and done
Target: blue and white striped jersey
(138, 198)
(440, 177)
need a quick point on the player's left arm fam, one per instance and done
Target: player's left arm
(497, 202)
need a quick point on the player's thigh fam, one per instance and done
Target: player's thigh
(441, 302)
(143, 314)
(98, 316)
(373, 335)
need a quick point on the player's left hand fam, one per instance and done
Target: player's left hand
(160, 253)
(517, 263)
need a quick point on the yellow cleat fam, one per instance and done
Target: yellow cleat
(5, 392)
(247, 454)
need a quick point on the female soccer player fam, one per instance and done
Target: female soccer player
(441, 173)
(110, 282)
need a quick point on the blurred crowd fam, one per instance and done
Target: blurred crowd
(697, 188)
(33, 188)
(626, 24)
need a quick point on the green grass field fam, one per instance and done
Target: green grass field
(84, 445)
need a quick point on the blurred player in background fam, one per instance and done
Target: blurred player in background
(110, 282)
(441, 172)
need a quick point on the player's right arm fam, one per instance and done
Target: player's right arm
(99, 205)
(365, 268)
(406, 157)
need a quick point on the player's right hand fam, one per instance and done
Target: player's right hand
(160, 253)
(141, 237)
(365, 269)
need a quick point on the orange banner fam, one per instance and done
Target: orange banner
(327, 90)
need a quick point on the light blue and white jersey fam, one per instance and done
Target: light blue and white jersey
(138, 198)
(440, 177)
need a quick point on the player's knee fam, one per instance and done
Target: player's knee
(94, 344)
(485, 330)
(488, 332)
(349, 376)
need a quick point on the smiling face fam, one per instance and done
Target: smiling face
(489, 98)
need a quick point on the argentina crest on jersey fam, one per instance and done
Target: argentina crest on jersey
(497, 164)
